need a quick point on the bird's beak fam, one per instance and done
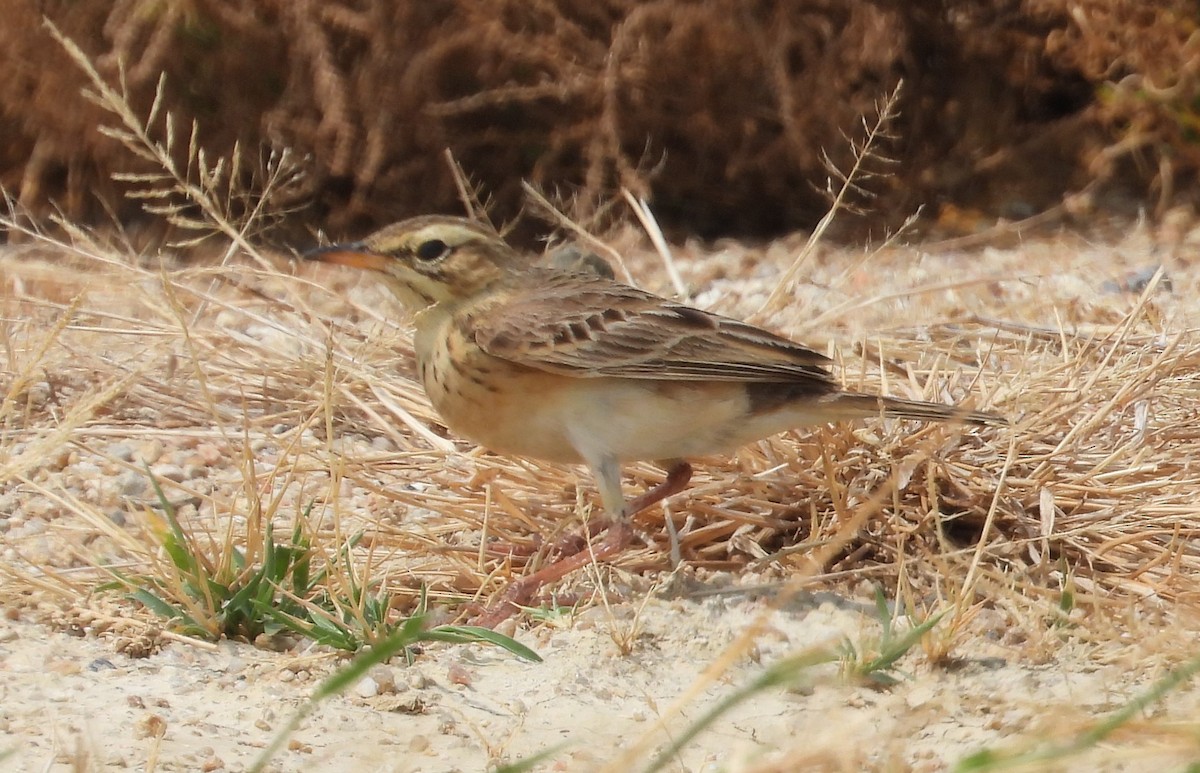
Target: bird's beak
(349, 254)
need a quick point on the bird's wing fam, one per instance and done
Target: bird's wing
(591, 327)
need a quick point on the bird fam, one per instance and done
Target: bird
(560, 362)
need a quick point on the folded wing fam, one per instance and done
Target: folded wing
(617, 330)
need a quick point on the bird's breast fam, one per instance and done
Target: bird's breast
(503, 406)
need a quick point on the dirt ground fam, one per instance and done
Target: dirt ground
(92, 685)
(69, 697)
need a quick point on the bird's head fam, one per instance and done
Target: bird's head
(429, 260)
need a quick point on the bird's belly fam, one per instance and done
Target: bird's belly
(645, 420)
(516, 410)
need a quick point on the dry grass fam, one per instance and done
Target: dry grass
(313, 378)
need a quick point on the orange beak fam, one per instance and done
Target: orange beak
(349, 254)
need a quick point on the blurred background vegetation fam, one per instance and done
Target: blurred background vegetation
(727, 115)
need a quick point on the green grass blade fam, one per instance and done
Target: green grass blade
(781, 673)
(158, 606)
(176, 542)
(408, 634)
(176, 617)
(894, 649)
(527, 764)
(301, 559)
(471, 633)
(318, 629)
(990, 760)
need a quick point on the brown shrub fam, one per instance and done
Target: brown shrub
(719, 111)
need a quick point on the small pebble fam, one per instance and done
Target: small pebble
(132, 484)
(367, 688)
(122, 451)
(458, 674)
(148, 452)
(1137, 281)
(172, 472)
(384, 677)
(382, 443)
(209, 454)
(87, 470)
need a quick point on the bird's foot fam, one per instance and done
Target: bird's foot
(522, 591)
(575, 550)
(565, 546)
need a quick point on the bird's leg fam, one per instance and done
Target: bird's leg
(521, 591)
(679, 473)
(607, 473)
(620, 534)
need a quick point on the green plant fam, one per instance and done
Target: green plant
(232, 594)
(406, 634)
(216, 588)
(876, 664)
(346, 614)
(1060, 617)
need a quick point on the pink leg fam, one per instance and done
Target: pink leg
(678, 474)
(620, 534)
(520, 592)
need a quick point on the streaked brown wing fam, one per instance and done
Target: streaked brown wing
(591, 327)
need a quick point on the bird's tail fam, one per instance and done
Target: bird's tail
(852, 405)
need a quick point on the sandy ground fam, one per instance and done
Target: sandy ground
(87, 686)
(69, 698)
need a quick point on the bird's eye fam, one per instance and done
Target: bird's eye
(432, 249)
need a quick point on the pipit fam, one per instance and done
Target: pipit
(568, 365)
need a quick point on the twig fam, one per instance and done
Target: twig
(862, 152)
(543, 203)
(646, 218)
